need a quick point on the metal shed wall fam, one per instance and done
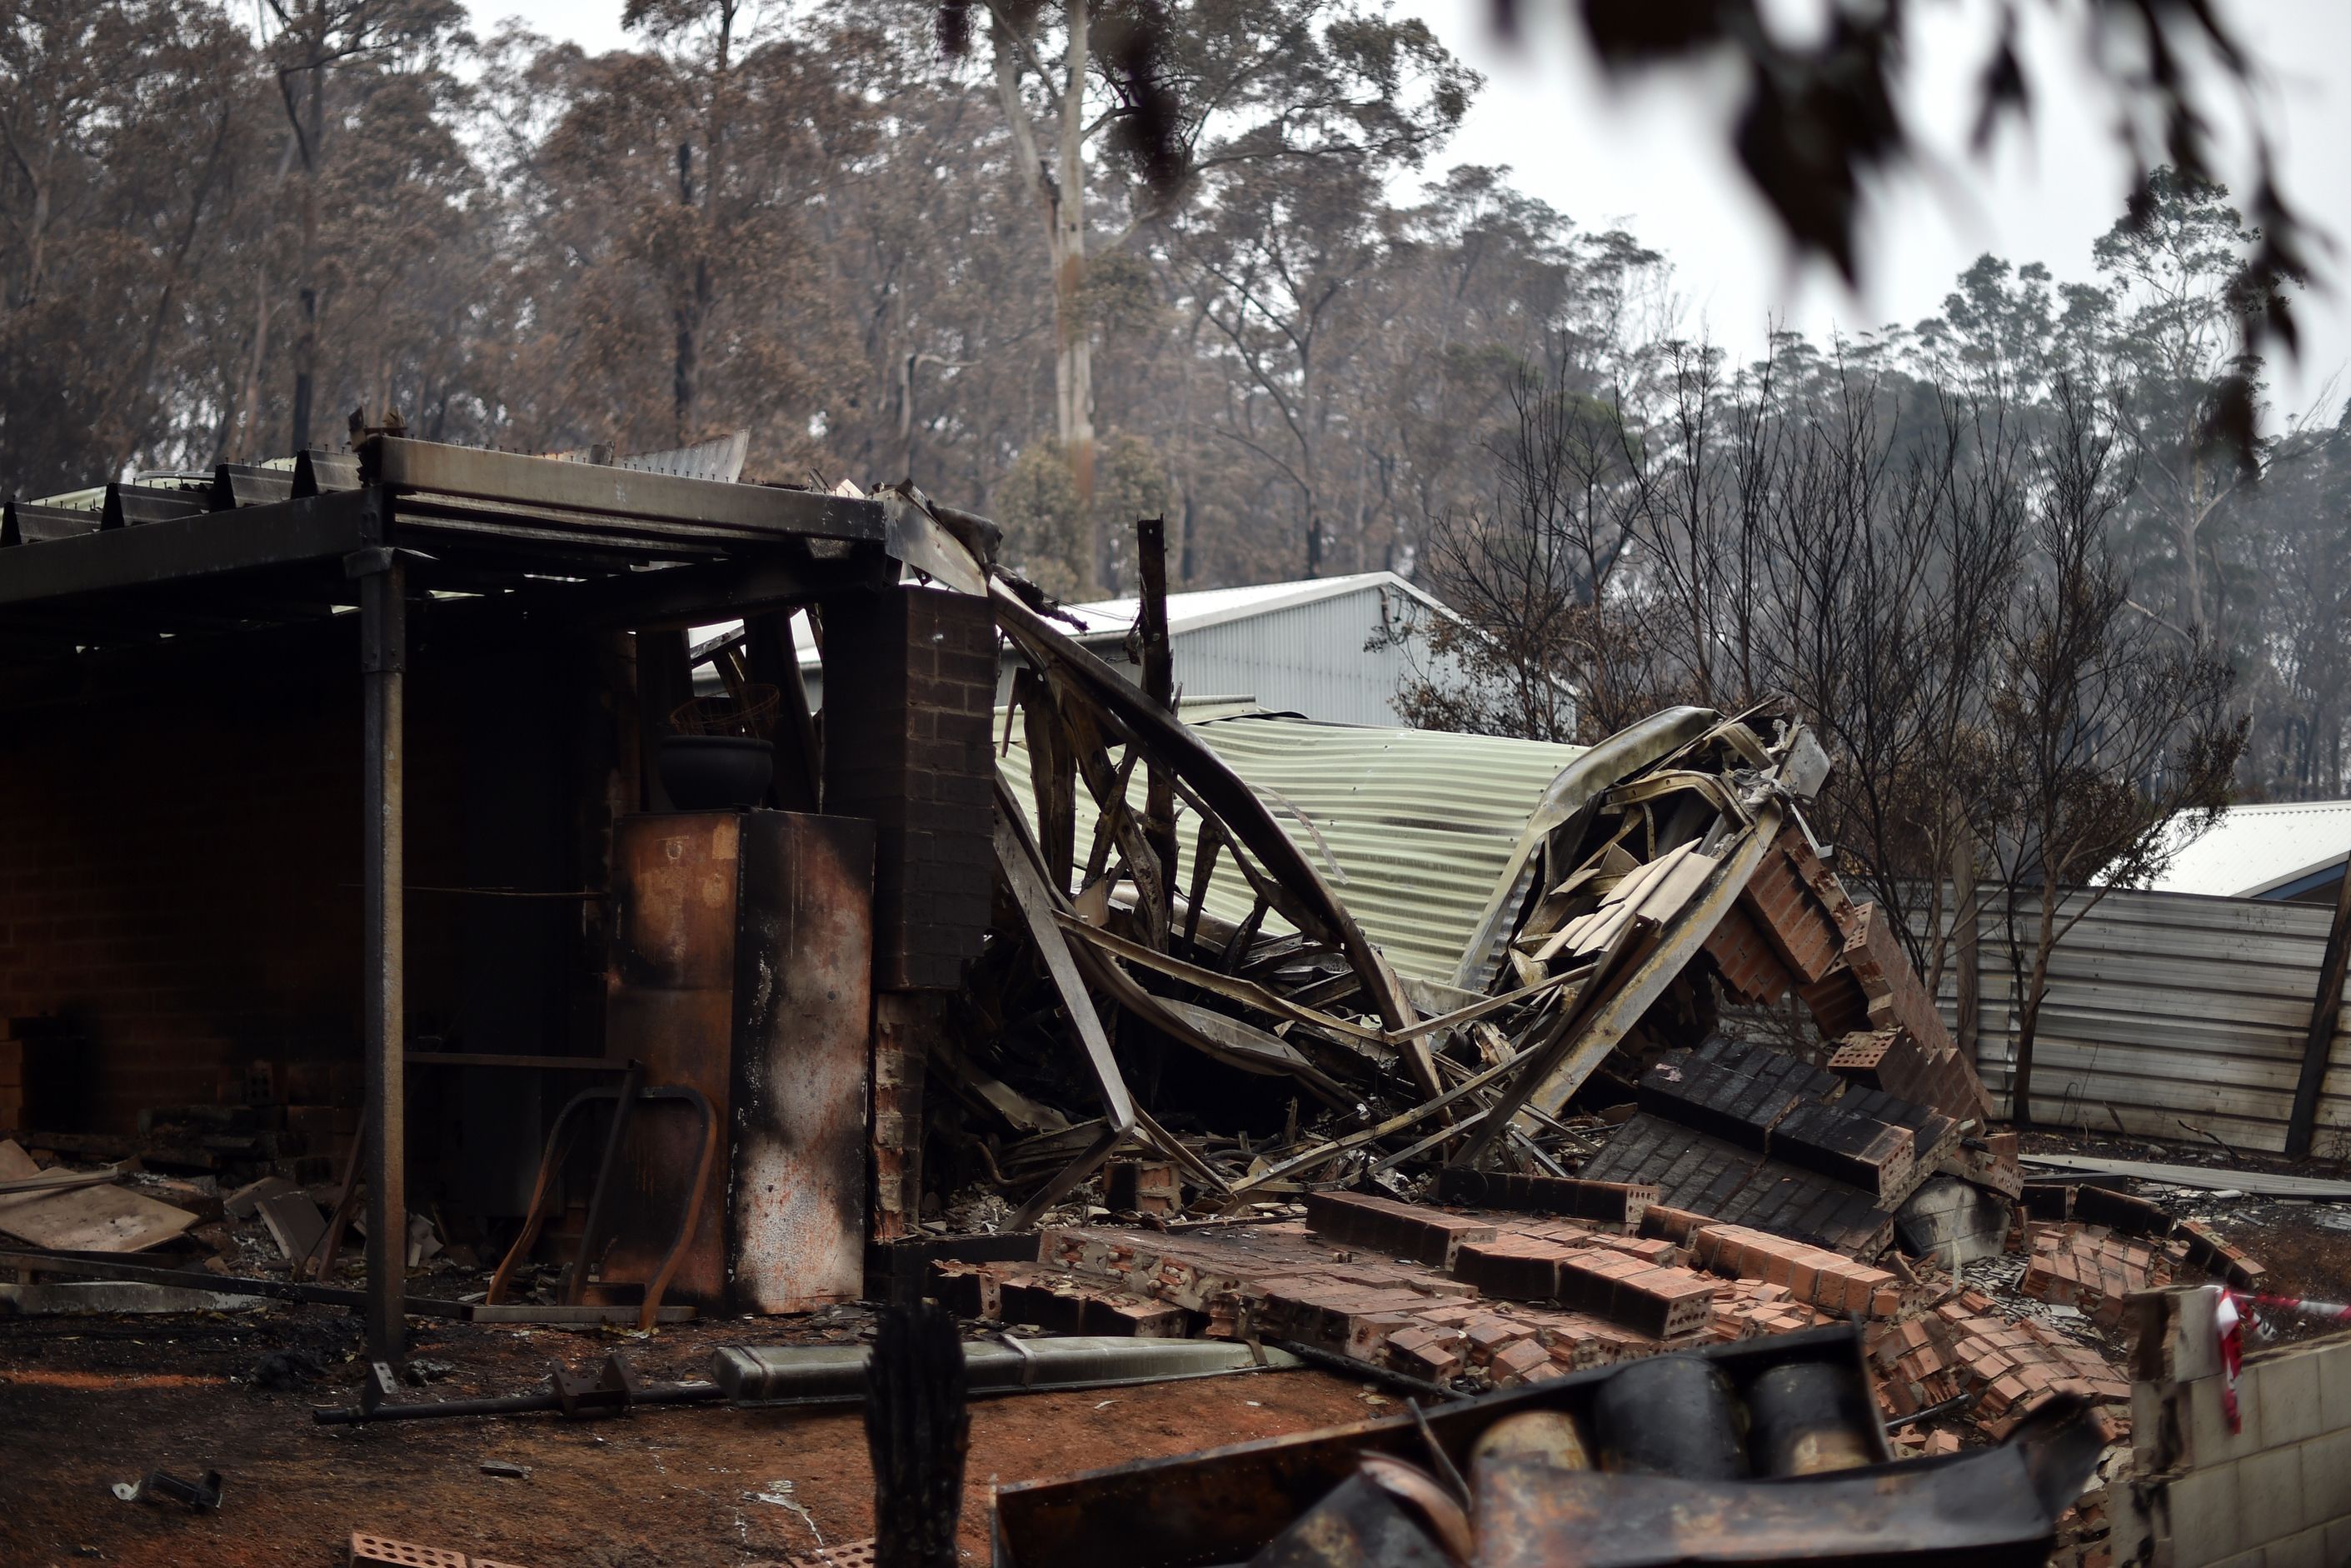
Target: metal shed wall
(2166, 1009)
(1306, 658)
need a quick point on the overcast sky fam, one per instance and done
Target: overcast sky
(1655, 159)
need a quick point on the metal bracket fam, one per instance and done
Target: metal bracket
(1027, 1359)
(570, 1390)
(379, 1386)
(619, 1378)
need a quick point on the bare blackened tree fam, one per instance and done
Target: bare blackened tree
(1544, 648)
(1888, 562)
(2103, 727)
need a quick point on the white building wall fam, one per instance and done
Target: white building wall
(1308, 659)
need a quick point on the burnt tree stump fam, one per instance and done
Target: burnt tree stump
(917, 1426)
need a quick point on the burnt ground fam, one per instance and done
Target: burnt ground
(87, 1402)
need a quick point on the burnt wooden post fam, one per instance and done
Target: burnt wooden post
(2318, 1044)
(775, 660)
(1158, 664)
(917, 1426)
(384, 658)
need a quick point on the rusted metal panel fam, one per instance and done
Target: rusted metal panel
(675, 878)
(804, 950)
(670, 1004)
(1991, 1509)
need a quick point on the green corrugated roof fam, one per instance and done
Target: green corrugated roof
(1419, 823)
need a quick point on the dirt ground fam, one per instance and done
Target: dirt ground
(87, 1402)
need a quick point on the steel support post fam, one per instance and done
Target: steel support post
(383, 656)
(2319, 1043)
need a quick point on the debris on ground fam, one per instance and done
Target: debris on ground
(202, 1494)
(1682, 1105)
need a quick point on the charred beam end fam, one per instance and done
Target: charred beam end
(513, 479)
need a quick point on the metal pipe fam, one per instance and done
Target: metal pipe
(382, 661)
(600, 1197)
(773, 1376)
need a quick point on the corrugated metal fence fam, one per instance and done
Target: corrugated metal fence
(2166, 1009)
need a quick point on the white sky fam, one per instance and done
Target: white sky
(1655, 159)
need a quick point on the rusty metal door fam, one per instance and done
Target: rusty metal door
(670, 1004)
(804, 962)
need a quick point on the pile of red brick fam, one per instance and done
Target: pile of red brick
(1498, 1299)
(2092, 1268)
(2201, 1247)
(1965, 1346)
(1812, 1275)
(1503, 1298)
(1754, 1309)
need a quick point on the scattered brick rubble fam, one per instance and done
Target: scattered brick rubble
(1497, 1297)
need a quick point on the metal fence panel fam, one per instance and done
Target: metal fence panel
(2167, 1015)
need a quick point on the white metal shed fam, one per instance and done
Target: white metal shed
(1334, 649)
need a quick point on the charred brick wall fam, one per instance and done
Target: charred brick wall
(180, 876)
(909, 683)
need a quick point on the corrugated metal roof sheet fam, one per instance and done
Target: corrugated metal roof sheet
(1418, 824)
(2254, 849)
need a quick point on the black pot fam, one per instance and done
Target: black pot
(716, 772)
